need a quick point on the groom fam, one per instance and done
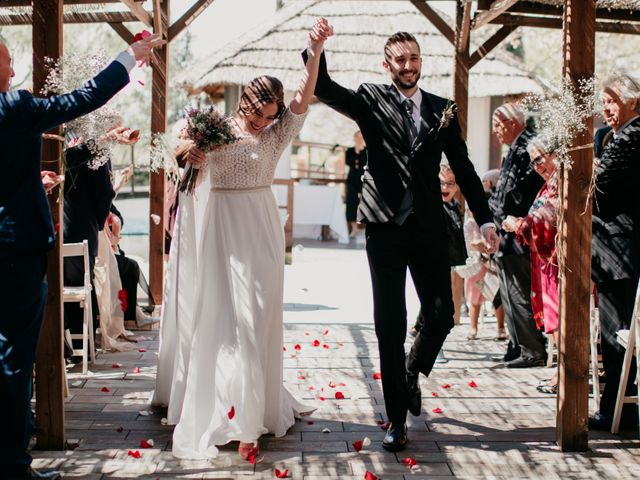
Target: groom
(406, 131)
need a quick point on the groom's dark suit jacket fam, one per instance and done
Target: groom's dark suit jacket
(378, 112)
(25, 220)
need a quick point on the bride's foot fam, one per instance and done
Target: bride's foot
(247, 450)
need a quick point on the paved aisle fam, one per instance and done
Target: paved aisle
(501, 428)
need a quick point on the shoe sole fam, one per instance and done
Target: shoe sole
(393, 448)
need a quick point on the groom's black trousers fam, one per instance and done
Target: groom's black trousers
(391, 248)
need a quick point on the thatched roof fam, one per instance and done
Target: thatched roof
(354, 54)
(610, 4)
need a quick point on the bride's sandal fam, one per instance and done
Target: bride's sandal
(248, 451)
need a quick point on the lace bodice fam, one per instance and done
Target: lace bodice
(251, 161)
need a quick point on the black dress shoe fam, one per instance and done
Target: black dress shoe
(600, 422)
(414, 403)
(36, 474)
(396, 437)
(526, 362)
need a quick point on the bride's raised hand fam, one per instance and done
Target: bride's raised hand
(319, 33)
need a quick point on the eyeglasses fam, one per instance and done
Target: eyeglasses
(448, 184)
(537, 161)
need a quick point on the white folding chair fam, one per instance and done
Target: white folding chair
(595, 358)
(630, 340)
(81, 295)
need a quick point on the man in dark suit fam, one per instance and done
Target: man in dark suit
(406, 131)
(616, 237)
(27, 232)
(515, 191)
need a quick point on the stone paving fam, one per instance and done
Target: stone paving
(499, 428)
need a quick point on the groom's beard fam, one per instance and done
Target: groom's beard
(395, 78)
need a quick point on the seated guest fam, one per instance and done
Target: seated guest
(538, 231)
(616, 237)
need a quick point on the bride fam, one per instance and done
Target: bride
(221, 362)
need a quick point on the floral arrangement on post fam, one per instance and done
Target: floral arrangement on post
(70, 73)
(208, 129)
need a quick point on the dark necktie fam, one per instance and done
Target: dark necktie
(407, 105)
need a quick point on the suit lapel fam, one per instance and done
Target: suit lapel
(428, 118)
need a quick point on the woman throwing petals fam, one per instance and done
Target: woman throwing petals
(234, 389)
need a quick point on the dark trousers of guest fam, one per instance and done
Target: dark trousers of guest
(391, 248)
(352, 200)
(515, 292)
(129, 272)
(615, 307)
(23, 290)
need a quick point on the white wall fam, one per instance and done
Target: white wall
(479, 132)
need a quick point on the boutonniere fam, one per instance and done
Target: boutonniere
(447, 114)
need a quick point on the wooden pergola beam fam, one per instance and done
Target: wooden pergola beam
(556, 11)
(140, 13)
(124, 33)
(579, 37)
(71, 17)
(435, 18)
(556, 23)
(47, 43)
(465, 27)
(187, 17)
(28, 3)
(496, 8)
(157, 21)
(491, 43)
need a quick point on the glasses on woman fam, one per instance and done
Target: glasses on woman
(448, 184)
(537, 161)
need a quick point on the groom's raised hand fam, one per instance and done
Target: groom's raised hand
(141, 50)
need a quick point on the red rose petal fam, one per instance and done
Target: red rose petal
(473, 384)
(325, 333)
(377, 376)
(284, 349)
(145, 444)
(105, 390)
(437, 410)
(379, 422)
(231, 413)
(310, 422)
(411, 462)
(339, 395)
(281, 474)
(122, 296)
(325, 346)
(142, 350)
(301, 377)
(446, 385)
(297, 347)
(136, 370)
(370, 476)
(134, 454)
(115, 365)
(316, 343)
(119, 429)
(322, 399)
(312, 387)
(332, 385)
(342, 384)
(434, 394)
(385, 426)
(357, 445)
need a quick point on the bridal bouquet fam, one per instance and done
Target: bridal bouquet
(208, 129)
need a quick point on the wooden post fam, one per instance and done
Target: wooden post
(575, 235)
(160, 82)
(461, 97)
(47, 42)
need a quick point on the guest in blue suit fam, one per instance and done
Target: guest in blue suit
(27, 232)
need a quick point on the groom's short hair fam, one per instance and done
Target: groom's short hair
(398, 37)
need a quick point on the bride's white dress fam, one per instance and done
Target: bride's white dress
(228, 384)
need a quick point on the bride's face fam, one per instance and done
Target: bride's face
(257, 121)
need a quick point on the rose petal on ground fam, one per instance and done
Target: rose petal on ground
(437, 410)
(410, 462)
(385, 426)
(331, 385)
(231, 413)
(301, 377)
(281, 474)
(326, 430)
(434, 394)
(342, 384)
(164, 421)
(446, 385)
(339, 395)
(120, 429)
(370, 476)
(146, 443)
(473, 384)
(105, 390)
(325, 333)
(145, 413)
(357, 445)
(142, 350)
(284, 349)
(312, 388)
(325, 346)
(310, 422)
(297, 347)
(307, 333)
(134, 453)
(116, 365)
(322, 399)
(379, 422)
(366, 441)
(377, 376)
(316, 343)
(136, 369)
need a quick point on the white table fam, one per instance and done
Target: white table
(317, 205)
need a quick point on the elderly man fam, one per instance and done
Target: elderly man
(26, 233)
(516, 189)
(616, 236)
